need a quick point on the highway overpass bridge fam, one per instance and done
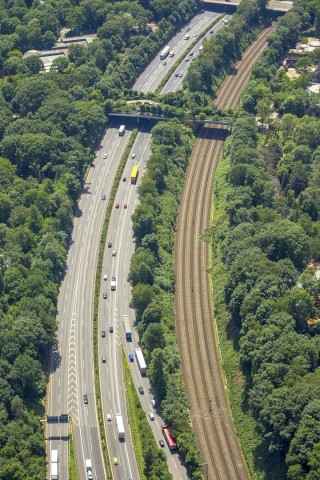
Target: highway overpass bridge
(280, 6)
(159, 118)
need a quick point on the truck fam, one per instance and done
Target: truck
(171, 442)
(113, 283)
(89, 469)
(164, 52)
(120, 426)
(140, 361)
(127, 328)
(54, 465)
(134, 174)
(122, 129)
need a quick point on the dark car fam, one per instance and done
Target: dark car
(109, 244)
(103, 333)
(161, 443)
(124, 179)
(141, 390)
(111, 329)
(177, 75)
(85, 398)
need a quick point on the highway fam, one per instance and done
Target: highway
(157, 69)
(111, 311)
(72, 363)
(175, 82)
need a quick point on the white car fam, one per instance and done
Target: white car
(114, 253)
(151, 416)
(153, 403)
(109, 417)
(133, 155)
(105, 155)
(105, 277)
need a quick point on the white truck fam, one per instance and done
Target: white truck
(113, 283)
(120, 426)
(140, 361)
(164, 52)
(54, 465)
(122, 129)
(89, 469)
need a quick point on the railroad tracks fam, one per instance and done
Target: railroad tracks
(197, 338)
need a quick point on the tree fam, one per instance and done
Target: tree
(141, 297)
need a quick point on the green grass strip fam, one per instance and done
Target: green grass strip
(136, 415)
(103, 237)
(180, 59)
(73, 469)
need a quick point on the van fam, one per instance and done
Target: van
(171, 53)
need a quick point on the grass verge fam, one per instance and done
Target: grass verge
(73, 469)
(245, 425)
(136, 415)
(180, 59)
(103, 237)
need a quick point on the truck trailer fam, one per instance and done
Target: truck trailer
(140, 361)
(120, 426)
(89, 469)
(127, 328)
(54, 465)
(164, 52)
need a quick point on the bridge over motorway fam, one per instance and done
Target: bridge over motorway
(159, 118)
(274, 5)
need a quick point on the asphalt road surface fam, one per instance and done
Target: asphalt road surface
(157, 69)
(175, 82)
(111, 314)
(72, 363)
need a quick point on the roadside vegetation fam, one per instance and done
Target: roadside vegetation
(50, 126)
(151, 460)
(152, 277)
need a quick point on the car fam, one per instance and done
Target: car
(131, 357)
(133, 155)
(200, 48)
(176, 75)
(141, 390)
(114, 253)
(85, 399)
(108, 417)
(105, 155)
(125, 206)
(115, 461)
(180, 75)
(195, 34)
(161, 443)
(124, 179)
(186, 37)
(187, 59)
(103, 197)
(117, 205)
(104, 295)
(104, 360)
(151, 416)
(211, 31)
(109, 244)
(164, 64)
(188, 29)
(105, 277)
(103, 333)
(191, 53)
(111, 329)
(153, 403)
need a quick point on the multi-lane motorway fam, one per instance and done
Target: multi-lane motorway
(156, 70)
(72, 364)
(175, 82)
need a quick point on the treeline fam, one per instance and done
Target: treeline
(50, 125)
(269, 244)
(152, 278)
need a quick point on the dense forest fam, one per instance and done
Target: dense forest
(267, 240)
(49, 127)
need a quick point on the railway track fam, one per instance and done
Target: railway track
(197, 338)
